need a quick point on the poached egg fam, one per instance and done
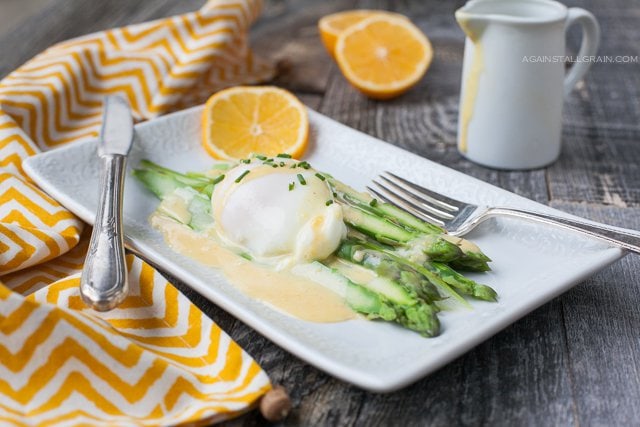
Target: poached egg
(278, 215)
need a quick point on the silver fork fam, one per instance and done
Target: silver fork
(459, 218)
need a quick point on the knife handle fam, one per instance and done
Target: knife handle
(103, 284)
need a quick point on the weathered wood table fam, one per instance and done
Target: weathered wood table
(574, 361)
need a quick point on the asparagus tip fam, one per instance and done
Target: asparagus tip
(485, 293)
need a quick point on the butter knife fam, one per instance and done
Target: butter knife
(103, 284)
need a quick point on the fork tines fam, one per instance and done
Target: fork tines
(417, 200)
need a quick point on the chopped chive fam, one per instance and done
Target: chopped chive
(218, 179)
(335, 194)
(246, 256)
(292, 185)
(293, 166)
(284, 155)
(329, 203)
(304, 165)
(301, 179)
(245, 173)
(320, 176)
(245, 161)
(373, 203)
(268, 161)
(282, 164)
(261, 157)
(274, 165)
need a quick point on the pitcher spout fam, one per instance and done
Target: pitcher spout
(471, 21)
(475, 16)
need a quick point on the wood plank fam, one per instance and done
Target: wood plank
(600, 159)
(598, 165)
(602, 318)
(287, 34)
(13, 12)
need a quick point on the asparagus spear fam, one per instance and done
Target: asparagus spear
(159, 184)
(461, 283)
(440, 273)
(390, 212)
(374, 301)
(200, 209)
(472, 258)
(435, 246)
(391, 225)
(385, 266)
(424, 268)
(377, 227)
(357, 297)
(472, 261)
(162, 181)
(190, 191)
(385, 231)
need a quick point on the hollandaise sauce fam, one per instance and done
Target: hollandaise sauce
(291, 294)
(471, 85)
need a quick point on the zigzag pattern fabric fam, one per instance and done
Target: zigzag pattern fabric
(156, 360)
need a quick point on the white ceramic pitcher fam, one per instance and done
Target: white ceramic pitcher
(513, 79)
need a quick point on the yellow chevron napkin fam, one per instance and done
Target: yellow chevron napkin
(156, 360)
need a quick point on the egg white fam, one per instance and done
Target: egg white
(270, 215)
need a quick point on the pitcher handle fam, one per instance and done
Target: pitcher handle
(588, 48)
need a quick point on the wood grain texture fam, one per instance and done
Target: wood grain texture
(600, 161)
(574, 361)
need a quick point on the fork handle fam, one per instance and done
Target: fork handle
(103, 284)
(626, 239)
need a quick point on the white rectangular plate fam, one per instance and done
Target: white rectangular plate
(531, 263)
